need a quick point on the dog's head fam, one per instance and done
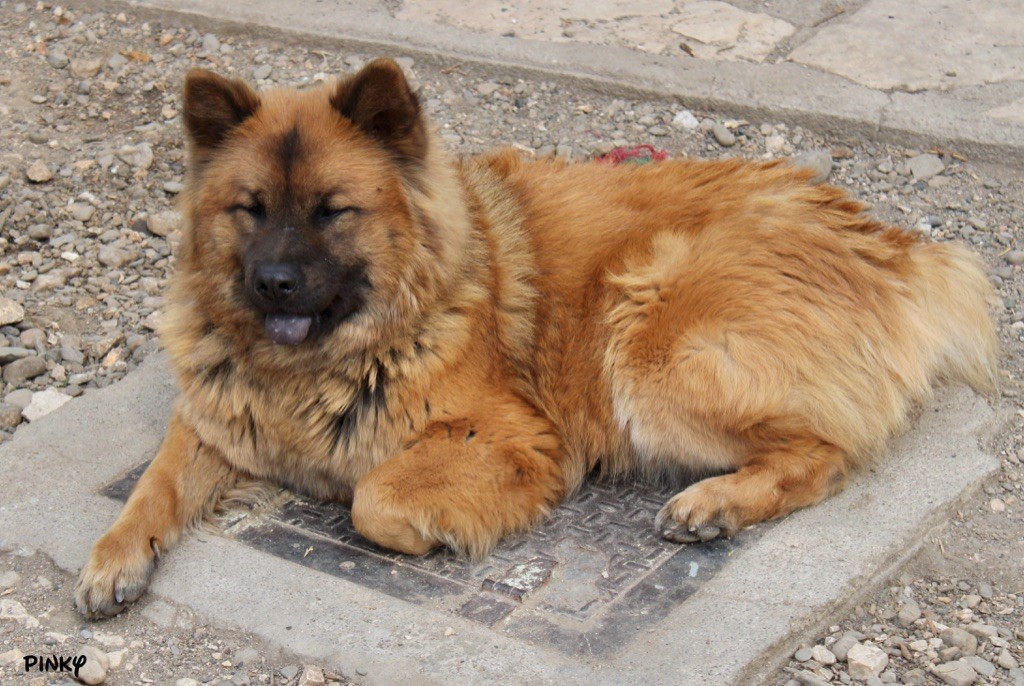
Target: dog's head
(305, 208)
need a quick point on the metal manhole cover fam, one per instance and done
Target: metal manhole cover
(585, 581)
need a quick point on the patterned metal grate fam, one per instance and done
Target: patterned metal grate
(585, 581)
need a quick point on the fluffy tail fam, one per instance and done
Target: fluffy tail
(953, 293)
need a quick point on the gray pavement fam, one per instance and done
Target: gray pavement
(780, 582)
(916, 72)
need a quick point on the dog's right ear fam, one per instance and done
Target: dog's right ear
(213, 107)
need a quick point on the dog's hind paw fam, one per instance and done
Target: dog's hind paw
(697, 515)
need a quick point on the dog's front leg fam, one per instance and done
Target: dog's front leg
(465, 483)
(184, 479)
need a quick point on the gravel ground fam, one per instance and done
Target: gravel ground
(91, 161)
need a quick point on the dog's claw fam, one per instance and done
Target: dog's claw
(673, 531)
(707, 532)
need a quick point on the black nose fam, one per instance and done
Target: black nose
(276, 282)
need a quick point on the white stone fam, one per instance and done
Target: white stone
(10, 311)
(957, 673)
(139, 156)
(82, 211)
(822, 655)
(38, 172)
(685, 120)
(983, 631)
(51, 280)
(924, 167)
(114, 258)
(43, 403)
(164, 223)
(86, 68)
(312, 676)
(94, 671)
(774, 144)
(116, 658)
(865, 661)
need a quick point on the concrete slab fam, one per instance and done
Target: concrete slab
(773, 581)
(921, 44)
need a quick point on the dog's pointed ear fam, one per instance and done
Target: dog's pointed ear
(379, 101)
(213, 107)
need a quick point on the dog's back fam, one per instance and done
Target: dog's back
(713, 313)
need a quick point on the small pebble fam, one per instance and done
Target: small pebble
(94, 671)
(38, 172)
(723, 135)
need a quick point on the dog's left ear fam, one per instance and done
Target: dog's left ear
(379, 101)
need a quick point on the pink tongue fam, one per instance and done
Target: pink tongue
(288, 329)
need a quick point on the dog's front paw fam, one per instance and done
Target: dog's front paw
(700, 513)
(117, 573)
(390, 523)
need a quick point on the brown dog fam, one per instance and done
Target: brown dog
(456, 344)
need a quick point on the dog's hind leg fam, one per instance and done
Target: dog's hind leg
(771, 483)
(464, 483)
(183, 481)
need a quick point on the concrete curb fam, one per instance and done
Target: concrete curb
(785, 91)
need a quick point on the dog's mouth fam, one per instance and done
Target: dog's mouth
(290, 328)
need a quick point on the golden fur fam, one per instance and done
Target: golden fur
(527, 323)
